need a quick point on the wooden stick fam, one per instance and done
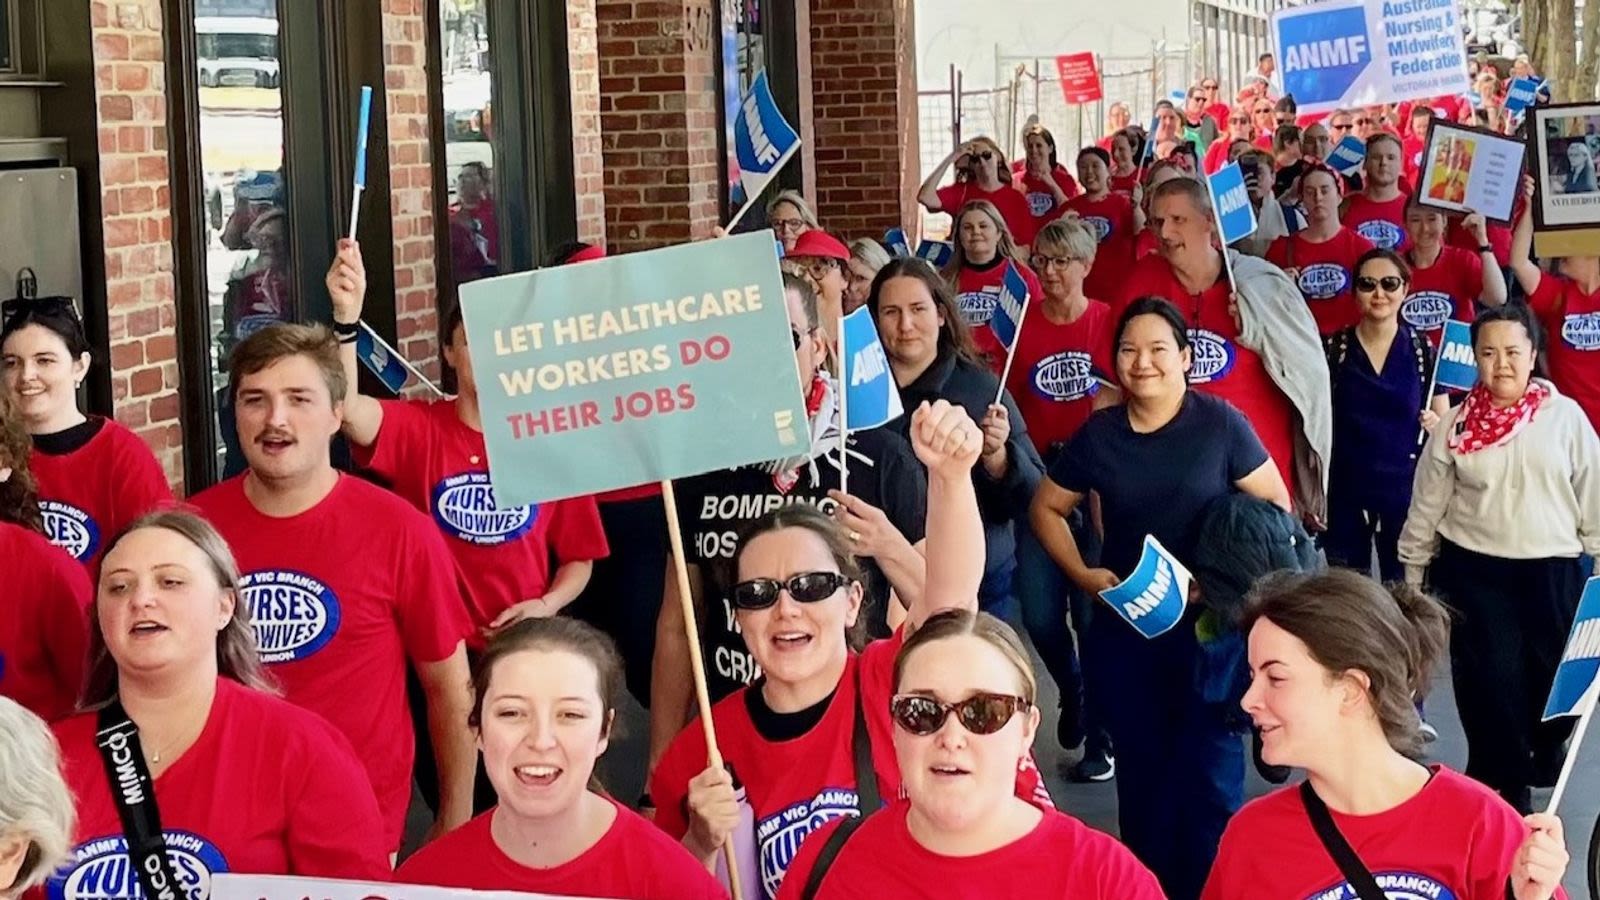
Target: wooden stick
(702, 695)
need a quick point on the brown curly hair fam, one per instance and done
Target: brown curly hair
(19, 494)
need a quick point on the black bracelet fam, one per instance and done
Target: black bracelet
(350, 338)
(344, 330)
(1486, 248)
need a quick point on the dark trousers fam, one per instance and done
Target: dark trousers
(1509, 627)
(623, 597)
(1049, 600)
(1355, 526)
(1180, 768)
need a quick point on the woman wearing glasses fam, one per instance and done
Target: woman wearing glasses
(789, 739)
(95, 476)
(1265, 123)
(1381, 370)
(977, 271)
(1157, 461)
(790, 216)
(981, 174)
(1220, 153)
(964, 719)
(1334, 660)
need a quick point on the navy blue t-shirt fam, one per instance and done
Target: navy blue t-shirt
(1375, 426)
(1158, 483)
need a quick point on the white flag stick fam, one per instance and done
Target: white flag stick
(844, 408)
(1590, 696)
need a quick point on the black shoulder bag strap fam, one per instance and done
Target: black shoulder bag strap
(868, 801)
(1350, 865)
(133, 790)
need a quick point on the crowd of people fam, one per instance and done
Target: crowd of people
(252, 680)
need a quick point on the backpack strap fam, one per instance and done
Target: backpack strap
(868, 799)
(830, 852)
(1355, 872)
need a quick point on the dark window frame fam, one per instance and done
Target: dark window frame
(780, 58)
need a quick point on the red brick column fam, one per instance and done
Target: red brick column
(130, 87)
(583, 63)
(405, 55)
(863, 64)
(658, 116)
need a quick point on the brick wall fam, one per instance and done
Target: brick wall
(863, 63)
(141, 314)
(658, 118)
(583, 64)
(405, 59)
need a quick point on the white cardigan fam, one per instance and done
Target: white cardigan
(1533, 498)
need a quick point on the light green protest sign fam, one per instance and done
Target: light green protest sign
(633, 369)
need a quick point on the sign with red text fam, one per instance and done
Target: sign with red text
(634, 369)
(289, 887)
(1080, 78)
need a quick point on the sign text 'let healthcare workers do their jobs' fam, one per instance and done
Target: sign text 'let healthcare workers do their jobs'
(634, 369)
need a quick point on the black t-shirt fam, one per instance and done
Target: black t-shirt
(715, 508)
(1158, 483)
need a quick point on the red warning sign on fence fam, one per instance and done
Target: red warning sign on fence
(1080, 80)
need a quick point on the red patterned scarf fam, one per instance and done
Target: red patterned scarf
(1482, 424)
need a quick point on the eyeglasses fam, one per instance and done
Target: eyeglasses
(1238, 120)
(804, 587)
(1042, 262)
(985, 155)
(818, 268)
(982, 713)
(1264, 111)
(785, 225)
(1366, 284)
(1209, 86)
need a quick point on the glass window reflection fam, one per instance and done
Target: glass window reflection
(469, 152)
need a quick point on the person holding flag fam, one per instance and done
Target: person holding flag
(1156, 461)
(1378, 211)
(981, 174)
(882, 514)
(1505, 506)
(1566, 301)
(1335, 659)
(811, 741)
(1447, 282)
(1321, 257)
(933, 357)
(1113, 218)
(985, 250)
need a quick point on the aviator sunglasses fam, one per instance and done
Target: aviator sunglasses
(982, 713)
(1366, 284)
(804, 587)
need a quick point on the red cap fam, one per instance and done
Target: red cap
(821, 244)
(585, 255)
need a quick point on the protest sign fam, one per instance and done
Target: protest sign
(1080, 78)
(1566, 143)
(1457, 365)
(1154, 597)
(762, 140)
(1520, 94)
(895, 239)
(634, 369)
(1576, 689)
(871, 396)
(1470, 170)
(227, 886)
(936, 252)
(1236, 217)
(1341, 54)
(1347, 156)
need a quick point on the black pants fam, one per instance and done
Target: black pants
(1354, 527)
(623, 598)
(1509, 626)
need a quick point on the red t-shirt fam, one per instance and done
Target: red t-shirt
(1060, 858)
(1054, 376)
(1222, 366)
(633, 860)
(1012, 205)
(440, 465)
(1499, 235)
(1041, 202)
(1264, 142)
(1124, 184)
(795, 786)
(1327, 271)
(267, 789)
(977, 293)
(1384, 224)
(340, 596)
(1572, 321)
(1411, 150)
(1443, 291)
(1454, 840)
(1110, 219)
(89, 495)
(1216, 155)
(44, 623)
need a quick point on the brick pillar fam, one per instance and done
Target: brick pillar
(583, 64)
(863, 62)
(405, 72)
(129, 56)
(658, 115)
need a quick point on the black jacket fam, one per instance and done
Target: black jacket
(1241, 539)
(1001, 501)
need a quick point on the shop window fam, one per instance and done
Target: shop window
(467, 82)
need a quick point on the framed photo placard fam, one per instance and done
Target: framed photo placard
(1471, 170)
(1565, 142)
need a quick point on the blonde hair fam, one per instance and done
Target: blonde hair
(869, 253)
(237, 657)
(1070, 236)
(1002, 167)
(1005, 245)
(953, 623)
(794, 199)
(34, 801)
(281, 340)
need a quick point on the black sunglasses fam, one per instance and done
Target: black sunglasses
(1366, 284)
(799, 336)
(981, 713)
(44, 306)
(804, 587)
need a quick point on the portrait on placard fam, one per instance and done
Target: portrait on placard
(1565, 141)
(1468, 169)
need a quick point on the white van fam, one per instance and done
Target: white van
(237, 51)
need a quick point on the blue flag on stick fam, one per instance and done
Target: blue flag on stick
(1236, 217)
(1580, 662)
(1010, 307)
(1348, 155)
(1457, 366)
(1520, 95)
(936, 252)
(895, 240)
(762, 141)
(1154, 597)
(376, 354)
(871, 395)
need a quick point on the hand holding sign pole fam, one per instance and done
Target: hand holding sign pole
(1576, 686)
